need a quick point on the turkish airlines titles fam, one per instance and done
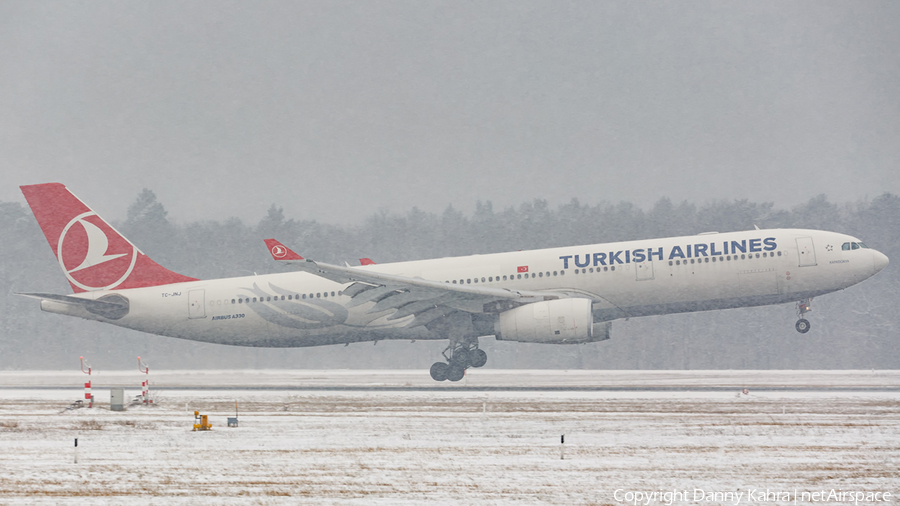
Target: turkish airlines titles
(688, 251)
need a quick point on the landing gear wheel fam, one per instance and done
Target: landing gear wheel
(802, 326)
(461, 357)
(455, 372)
(477, 357)
(439, 371)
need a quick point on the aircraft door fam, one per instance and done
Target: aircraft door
(197, 300)
(643, 271)
(806, 251)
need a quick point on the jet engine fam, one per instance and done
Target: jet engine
(559, 321)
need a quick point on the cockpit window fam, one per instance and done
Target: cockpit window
(854, 245)
(845, 246)
(861, 245)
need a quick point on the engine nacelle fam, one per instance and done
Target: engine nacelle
(558, 321)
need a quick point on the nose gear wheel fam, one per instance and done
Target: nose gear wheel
(803, 307)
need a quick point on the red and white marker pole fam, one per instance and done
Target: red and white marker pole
(145, 385)
(87, 386)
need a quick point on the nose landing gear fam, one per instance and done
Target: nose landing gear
(803, 307)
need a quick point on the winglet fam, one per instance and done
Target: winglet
(280, 251)
(366, 261)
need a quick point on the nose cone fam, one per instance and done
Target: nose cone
(879, 260)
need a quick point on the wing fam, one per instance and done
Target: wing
(425, 299)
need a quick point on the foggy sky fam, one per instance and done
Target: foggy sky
(337, 110)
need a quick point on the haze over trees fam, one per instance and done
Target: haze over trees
(853, 329)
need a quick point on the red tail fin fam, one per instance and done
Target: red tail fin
(92, 254)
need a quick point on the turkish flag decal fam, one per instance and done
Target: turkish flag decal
(523, 268)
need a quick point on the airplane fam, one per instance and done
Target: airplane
(565, 295)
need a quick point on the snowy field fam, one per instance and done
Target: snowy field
(456, 446)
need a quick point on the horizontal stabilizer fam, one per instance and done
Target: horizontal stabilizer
(112, 306)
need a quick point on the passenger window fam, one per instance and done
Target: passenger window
(304, 295)
(554, 273)
(232, 301)
(332, 294)
(482, 280)
(541, 274)
(562, 273)
(612, 268)
(692, 260)
(779, 253)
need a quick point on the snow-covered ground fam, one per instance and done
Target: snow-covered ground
(453, 446)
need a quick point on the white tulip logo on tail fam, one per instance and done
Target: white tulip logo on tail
(89, 259)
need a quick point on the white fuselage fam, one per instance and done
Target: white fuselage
(624, 279)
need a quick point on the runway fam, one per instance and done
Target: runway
(475, 380)
(444, 446)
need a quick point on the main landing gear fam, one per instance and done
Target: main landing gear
(803, 307)
(462, 356)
